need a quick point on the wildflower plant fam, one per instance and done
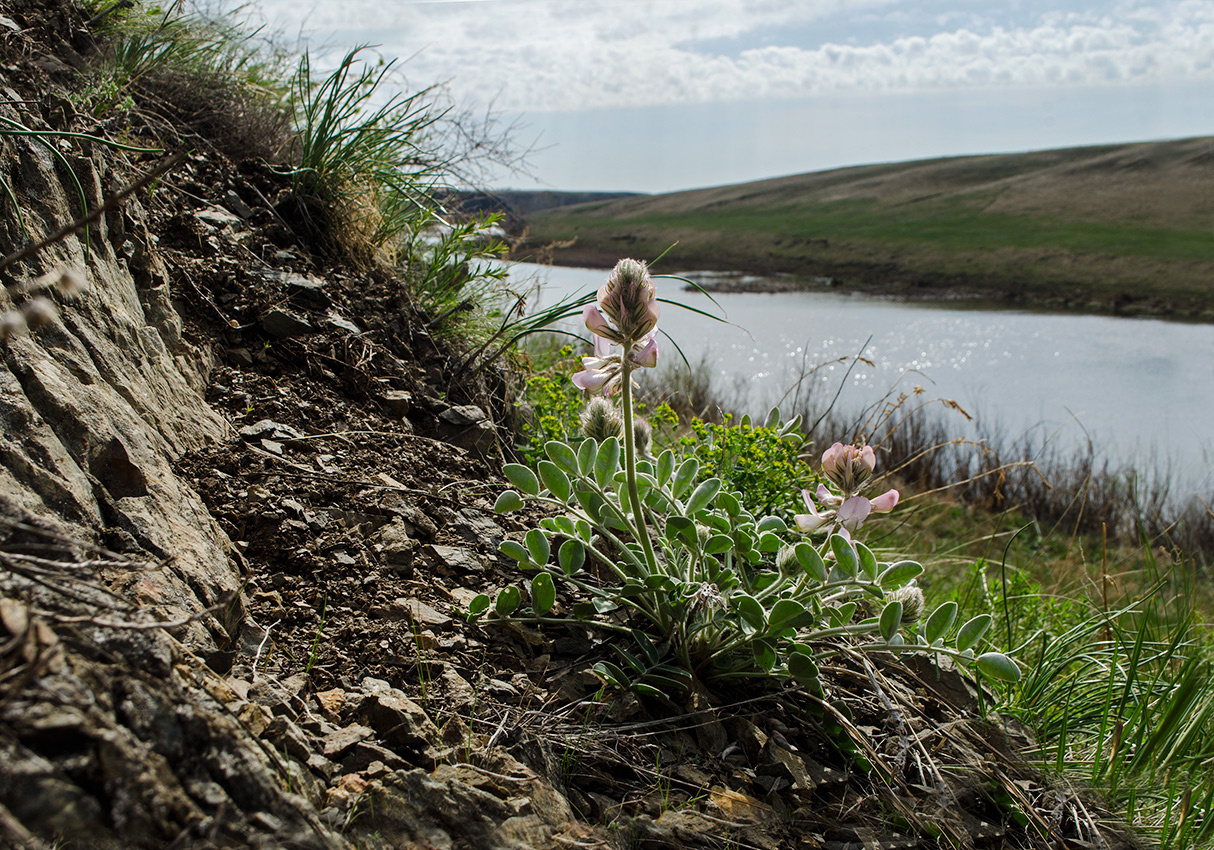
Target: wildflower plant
(704, 589)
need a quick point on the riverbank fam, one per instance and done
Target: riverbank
(887, 279)
(1116, 230)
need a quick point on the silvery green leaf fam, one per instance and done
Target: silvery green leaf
(522, 478)
(972, 632)
(996, 665)
(586, 453)
(555, 480)
(940, 621)
(508, 501)
(562, 456)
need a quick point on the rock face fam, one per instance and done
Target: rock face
(96, 406)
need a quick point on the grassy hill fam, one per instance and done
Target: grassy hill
(1119, 228)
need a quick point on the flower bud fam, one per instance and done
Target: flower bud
(600, 420)
(39, 312)
(912, 601)
(642, 433)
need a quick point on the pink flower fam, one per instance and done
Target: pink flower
(646, 355)
(599, 369)
(853, 512)
(850, 513)
(886, 501)
(813, 520)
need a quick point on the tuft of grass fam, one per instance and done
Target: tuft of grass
(211, 76)
(361, 175)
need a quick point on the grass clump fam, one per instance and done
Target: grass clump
(189, 78)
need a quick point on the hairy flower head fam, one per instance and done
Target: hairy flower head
(601, 420)
(848, 466)
(630, 301)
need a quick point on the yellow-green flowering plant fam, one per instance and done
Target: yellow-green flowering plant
(704, 588)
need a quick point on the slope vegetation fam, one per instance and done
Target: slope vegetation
(1121, 228)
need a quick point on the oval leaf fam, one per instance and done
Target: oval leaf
(789, 614)
(765, 655)
(562, 456)
(899, 573)
(845, 555)
(996, 665)
(543, 594)
(522, 478)
(811, 561)
(768, 542)
(507, 502)
(729, 503)
(686, 474)
(802, 667)
(940, 621)
(555, 480)
(703, 494)
(773, 523)
(891, 619)
(607, 461)
(751, 612)
(868, 561)
(537, 546)
(571, 556)
(479, 604)
(972, 632)
(665, 466)
(718, 544)
(683, 530)
(507, 601)
(514, 549)
(586, 453)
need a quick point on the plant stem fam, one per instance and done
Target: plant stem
(630, 463)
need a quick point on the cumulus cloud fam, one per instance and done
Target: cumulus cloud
(536, 55)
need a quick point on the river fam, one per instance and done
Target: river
(1141, 389)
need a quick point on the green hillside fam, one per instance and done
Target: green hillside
(1121, 228)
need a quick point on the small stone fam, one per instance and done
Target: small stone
(397, 402)
(469, 427)
(237, 205)
(331, 703)
(453, 560)
(256, 718)
(240, 356)
(341, 323)
(270, 430)
(339, 742)
(268, 822)
(397, 719)
(359, 757)
(735, 806)
(422, 615)
(282, 323)
(395, 545)
(478, 527)
(286, 735)
(217, 217)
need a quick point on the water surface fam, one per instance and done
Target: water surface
(1141, 389)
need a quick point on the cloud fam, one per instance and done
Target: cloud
(565, 55)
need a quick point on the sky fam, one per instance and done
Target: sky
(662, 95)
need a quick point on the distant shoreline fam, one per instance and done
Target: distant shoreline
(980, 292)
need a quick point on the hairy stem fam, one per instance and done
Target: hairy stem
(630, 465)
